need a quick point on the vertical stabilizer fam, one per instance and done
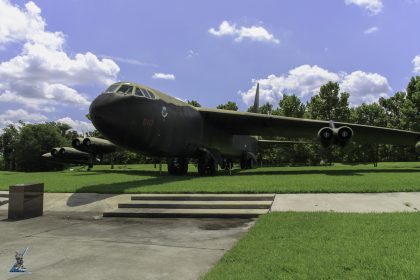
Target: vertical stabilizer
(257, 99)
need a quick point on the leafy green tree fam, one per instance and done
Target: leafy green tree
(394, 107)
(266, 109)
(35, 140)
(194, 103)
(8, 140)
(290, 106)
(330, 104)
(369, 114)
(228, 106)
(411, 110)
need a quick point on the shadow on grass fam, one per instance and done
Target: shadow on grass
(341, 172)
(133, 172)
(113, 189)
(155, 179)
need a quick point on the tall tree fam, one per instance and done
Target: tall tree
(330, 104)
(228, 106)
(33, 141)
(369, 114)
(411, 110)
(8, 140)
(393, 107)
(290, 106)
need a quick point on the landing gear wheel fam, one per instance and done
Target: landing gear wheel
(249, 163)
(226, 164)
(178, 166)
(207, 166)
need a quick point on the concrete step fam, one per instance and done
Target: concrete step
(3, 201)
(4, 194)
(185, 213)
(189, 204)
(206, 197)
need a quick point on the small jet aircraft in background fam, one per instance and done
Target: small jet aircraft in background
(84, 151)
(146, 120)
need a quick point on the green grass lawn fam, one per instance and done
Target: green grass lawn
(387, 177)
(326, 246)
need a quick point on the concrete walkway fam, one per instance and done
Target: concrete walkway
(73, 241)
(95, 204)
(348, 202)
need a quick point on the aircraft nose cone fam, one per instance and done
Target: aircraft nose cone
(101, 107)
(105, 113)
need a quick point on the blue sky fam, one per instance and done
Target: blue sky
(56, 56)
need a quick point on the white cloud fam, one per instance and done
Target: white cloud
(305, 81)
(131, 61)
(191, 54)
(163, 76)
(25, 25)
(79, 126)
(371, 30)
(43, 75)
(255, 33)
(416, 64)
(13, 116)
(374, 7)
(365, 87)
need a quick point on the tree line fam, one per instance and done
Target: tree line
(21, 145)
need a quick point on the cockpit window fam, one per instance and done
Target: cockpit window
(126, 89)
(145, 92)
(112, 88)
(152, 96)
(139, 92)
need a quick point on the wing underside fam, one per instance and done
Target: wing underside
(239, 123)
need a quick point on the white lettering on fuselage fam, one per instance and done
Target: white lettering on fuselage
(164, 112)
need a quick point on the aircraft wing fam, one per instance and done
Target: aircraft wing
(240, 123)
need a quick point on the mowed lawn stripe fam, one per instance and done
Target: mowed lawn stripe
(326, 246)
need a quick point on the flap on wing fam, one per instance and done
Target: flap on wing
(268, 143)
(242, 123)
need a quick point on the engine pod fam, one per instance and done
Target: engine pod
(326, 136)
(342, 135)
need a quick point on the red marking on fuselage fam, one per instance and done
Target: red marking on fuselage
(148, 122)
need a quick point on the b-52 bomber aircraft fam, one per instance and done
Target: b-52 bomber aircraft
(146, 120)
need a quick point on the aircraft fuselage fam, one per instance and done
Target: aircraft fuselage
(162, 127)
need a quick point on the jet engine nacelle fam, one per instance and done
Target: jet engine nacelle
(326, 136)
(70, 153)
(417, 147)
(67, 155)
(339, 136)
(93, 145)
(342, 135)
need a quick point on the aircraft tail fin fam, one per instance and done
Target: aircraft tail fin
(257, 99)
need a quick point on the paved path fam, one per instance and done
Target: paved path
(73, 241)
(96, 204)
(348, 202)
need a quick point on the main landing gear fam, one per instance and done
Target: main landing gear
(178, 166)
(248, 163)
(207, 165)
